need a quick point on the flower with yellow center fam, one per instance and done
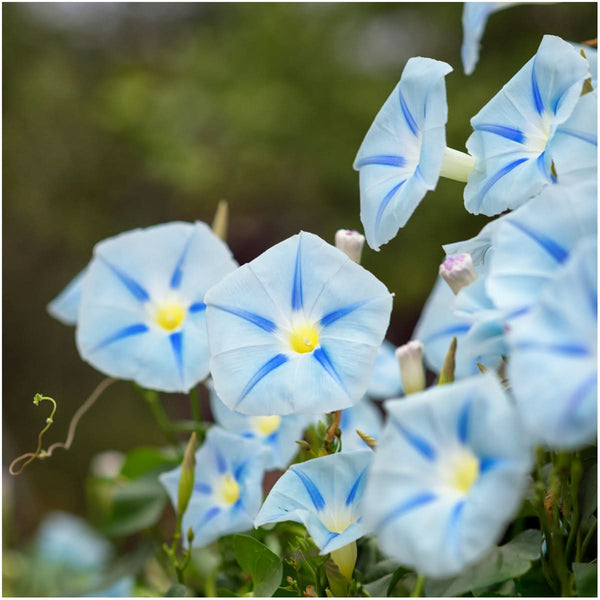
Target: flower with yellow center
(304, 338)
(229, 489)
(265, 426)
(170, 315)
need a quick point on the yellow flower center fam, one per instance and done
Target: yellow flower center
(465, 471)
(267, 425)
(229, 489)
(170, 315)
(304, 338)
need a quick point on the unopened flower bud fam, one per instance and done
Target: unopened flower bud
(186, 479)
(410, 357)
(350, 243)
(458, 271)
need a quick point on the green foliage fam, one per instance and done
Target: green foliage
(501, 564)
(147, 460)
(586, 579)
(263, 566)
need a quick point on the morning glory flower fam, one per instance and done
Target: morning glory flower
(480, 335)
(530, 243)
(324, 494)
(227, 486)
(474, 19)
(364, 416)
(510, 143)
(297, 330)
(65, 307)
(277, 434)
(449, 473)
(142, 311)
(385, 382)
(71, 548)
(553, 366)
(404, 151)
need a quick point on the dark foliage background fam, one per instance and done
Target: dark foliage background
(119, 116)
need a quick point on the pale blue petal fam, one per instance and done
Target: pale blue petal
(251, 316)
(553, 364)
(386, 381)
(401, 156)
(541, 234)
(407, 491)
(65, 306)
(509, 144)
(474, 19)
(364, 416)
(67, 540)
(280, 445)
(319, 493)
(574, 147)
(591, 55)
(222, 453)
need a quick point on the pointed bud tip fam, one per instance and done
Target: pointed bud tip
(458, 271)
(350, 242)
(410, 357)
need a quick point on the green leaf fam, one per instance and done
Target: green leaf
(136, 505)
(502, 563)
(337, 582)
(145, 459)
(177, 590)
(264, 567)
(586, 579)
(588, 492)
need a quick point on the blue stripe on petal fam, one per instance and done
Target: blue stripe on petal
(590, 138)
(269, 366)
(496, 176)
(211, 513)
(176, 340)
(177, 275)
(352, 494)
(135, 329)
(386, 200)
(421, 445)
(407, 116)
(488, 463)
(239, 470)
(197, 307)
(332, 535)
(221, 464)
(463, 423)
(549, 245)
(568, 349)
(323, 359)
(411, 503)
(335, 315)
(253, 318)
(537, 97)
(297, 301)
(452, 330)
(131, 284)
(580, 393)
(453, 520)
(541, 164)
(386, 160)
(510, 133)
(202, 488)
(311, 488)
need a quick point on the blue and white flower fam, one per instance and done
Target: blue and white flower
(277, 434)
(227, 486)
(404, 151)
(142, 311)
(449, 473)
(297, 330)
(553, 366)
(510, 143)
(324, 494)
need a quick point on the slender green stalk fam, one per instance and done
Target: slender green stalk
(160, 416)
(576, 474)
(589, 536)
(195, 405)
(417, 591)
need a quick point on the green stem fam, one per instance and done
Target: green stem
(576, 473)
(419, 585)
(589, 536)
(160, 417)
(195, 405)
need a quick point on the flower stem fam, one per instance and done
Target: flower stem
(456, 165)
(417, 591)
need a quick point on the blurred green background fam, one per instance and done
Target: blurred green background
(119, 116)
